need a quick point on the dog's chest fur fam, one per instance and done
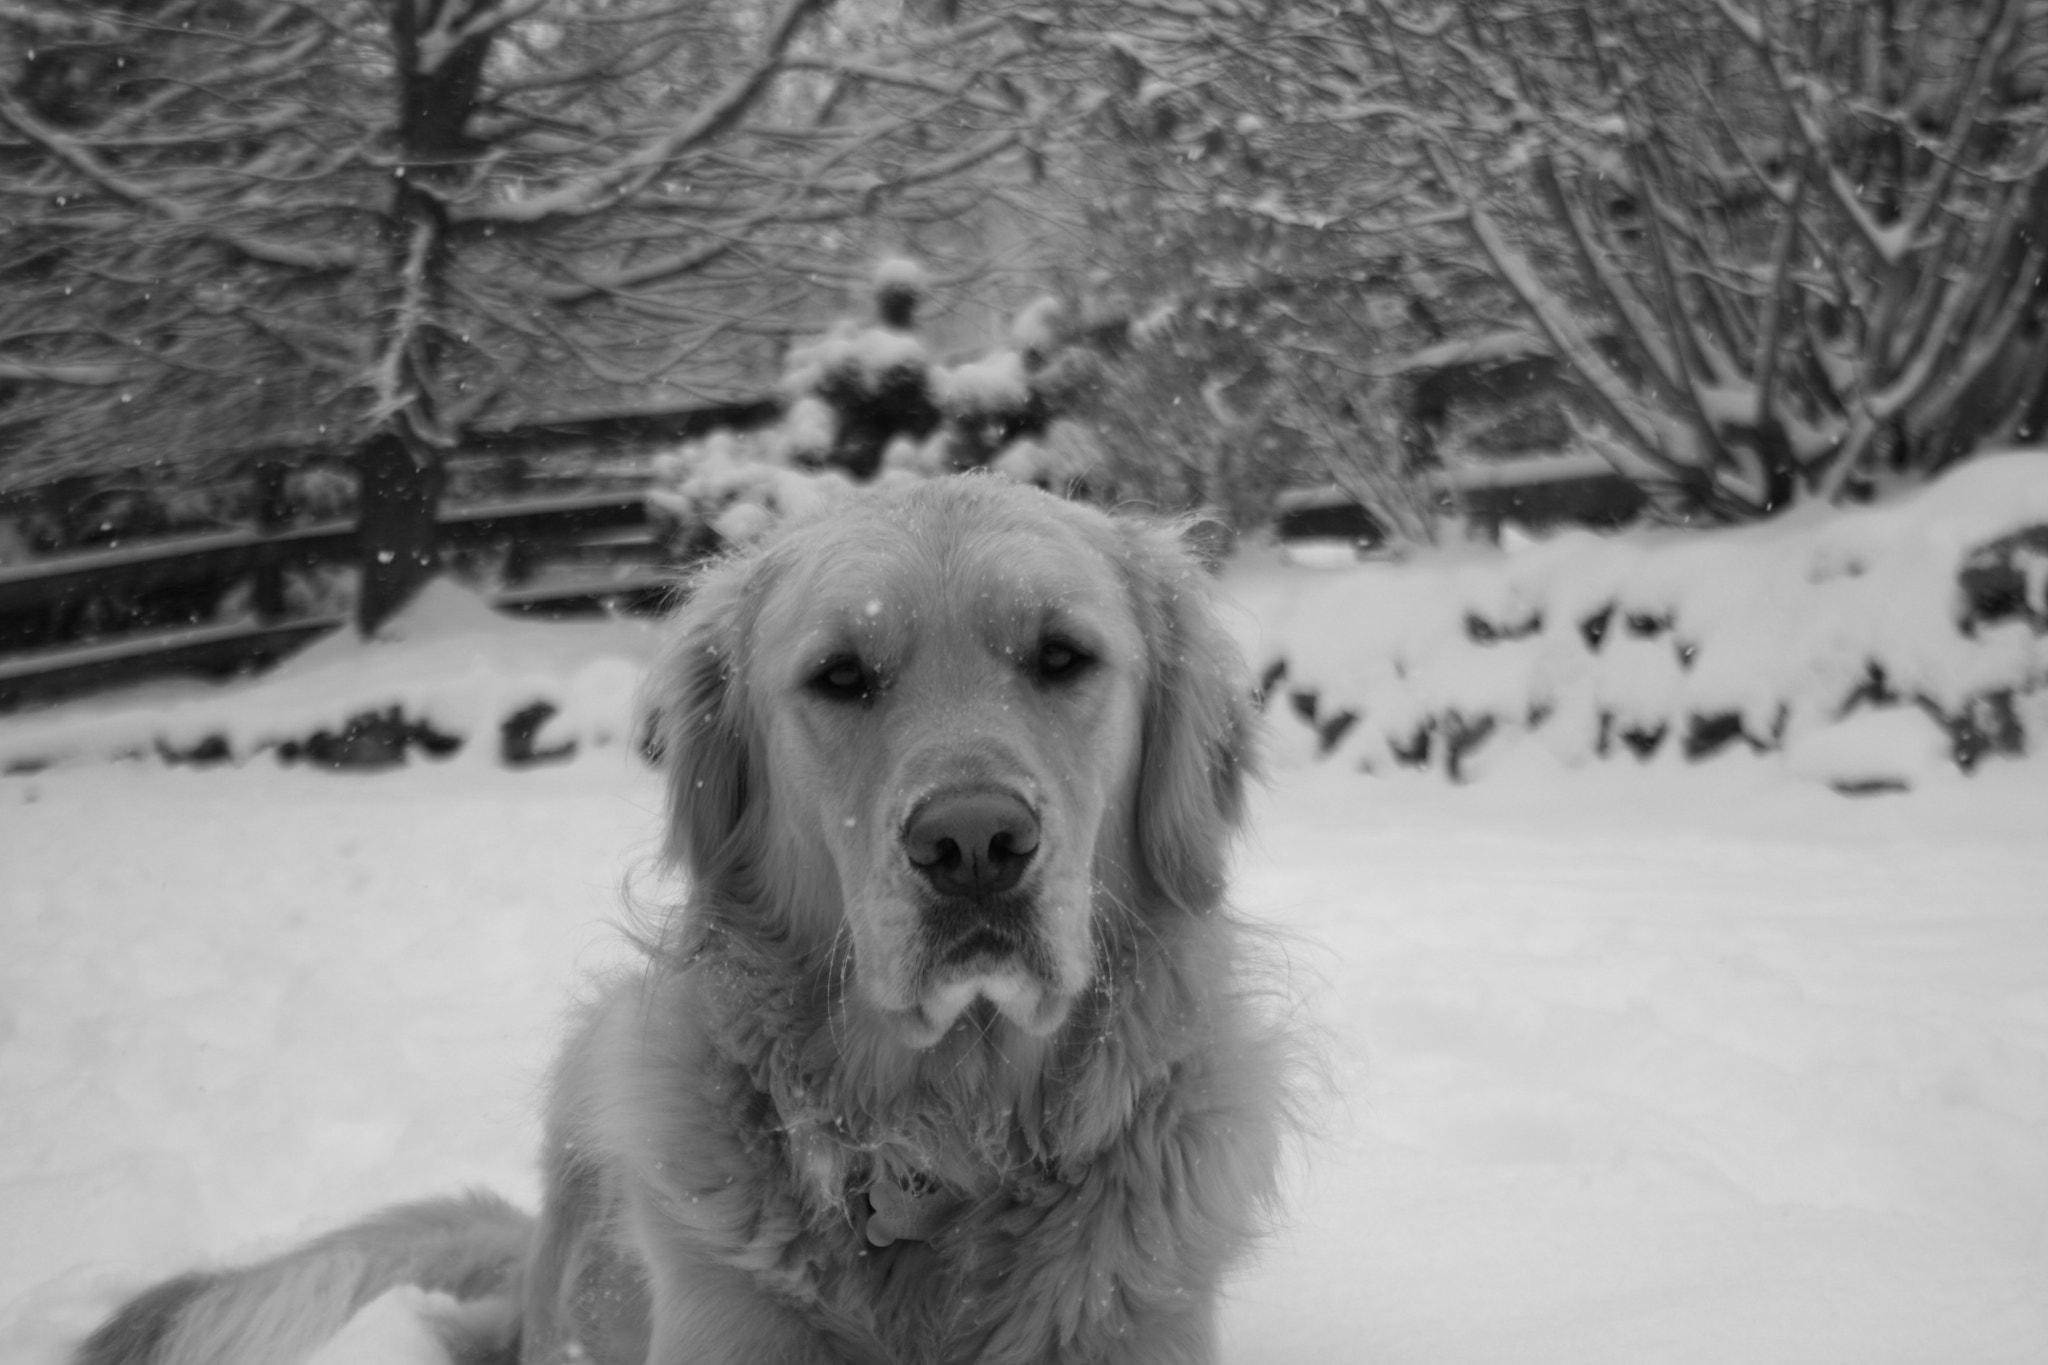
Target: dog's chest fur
(901, 1198)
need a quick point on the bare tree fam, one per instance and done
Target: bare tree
(378, 223)
(1785, 251)
(1238, 195)
(1812, 230)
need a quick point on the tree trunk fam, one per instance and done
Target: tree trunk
(400, 471)
(396, 535)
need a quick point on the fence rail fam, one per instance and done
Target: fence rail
(207, 557)
(561, 554)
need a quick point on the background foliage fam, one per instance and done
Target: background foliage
(1743, 254)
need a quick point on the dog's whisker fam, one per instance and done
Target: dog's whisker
(1126, 916)
(838, 972)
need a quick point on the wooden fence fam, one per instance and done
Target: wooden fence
(216, 602)
(75, 622)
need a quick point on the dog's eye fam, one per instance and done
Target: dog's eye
(1061, 661)
(842, 679)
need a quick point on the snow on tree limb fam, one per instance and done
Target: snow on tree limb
(58, 372)
(601, 189)
(455, 25)
(82, 157)
(340, 213)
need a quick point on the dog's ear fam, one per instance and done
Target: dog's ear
(702, 736)
(1199, 726)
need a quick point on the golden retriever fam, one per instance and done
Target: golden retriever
(951, 1054)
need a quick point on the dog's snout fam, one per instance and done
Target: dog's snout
(973, 844)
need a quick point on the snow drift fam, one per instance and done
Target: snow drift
(445, 671)
(1933, 606)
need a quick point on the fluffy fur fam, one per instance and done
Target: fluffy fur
(854, 1108)
(470, 1250)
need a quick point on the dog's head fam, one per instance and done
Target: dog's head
(954, 738)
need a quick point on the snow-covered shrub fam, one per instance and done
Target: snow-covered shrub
(729, 487)
(867, 401)
(1673, 641)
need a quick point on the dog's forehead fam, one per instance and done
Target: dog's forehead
(887, 571)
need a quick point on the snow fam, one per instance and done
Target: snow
(1625, 1064)
(1036, 326)
(1656, 1065)
(447, 661)
(871, 352)
(1529, 469)
(1900, 747)
(740, 485)
(2033, 566)
(395, 1328)
(919, 459)
(808, 429)
(1636, 1063)
(992, 383)
(240, 1004)
(1787, 626)
(902, 273)
(1068, 453)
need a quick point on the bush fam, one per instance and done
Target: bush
(866, 401)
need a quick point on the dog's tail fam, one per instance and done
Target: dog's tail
(463, 1259)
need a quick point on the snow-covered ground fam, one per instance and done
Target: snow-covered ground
(1633, 1063)
(1657, 1066)
(1630, 1065)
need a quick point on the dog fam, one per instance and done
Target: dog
(953, 1051)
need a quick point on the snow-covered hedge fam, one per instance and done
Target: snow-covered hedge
(444, 674)
(1869, 646)
(1916, 624)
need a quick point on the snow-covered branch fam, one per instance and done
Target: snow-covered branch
(90, 167)
(595, 191)
(91, 374)
(405, 212)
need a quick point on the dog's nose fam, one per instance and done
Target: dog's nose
(973, 844)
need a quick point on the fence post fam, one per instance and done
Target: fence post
(397, 538)
(273, 513)
(519, 557)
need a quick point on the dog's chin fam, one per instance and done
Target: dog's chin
(982, 993)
